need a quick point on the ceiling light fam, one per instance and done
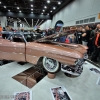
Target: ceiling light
(37, 22)
(31, 5)
(31, 0)
(48, 1)
(43, 10)
(0, 2)
(4, 6)
(19, 20)
(45, 6)
(51, 11)
(40, 23)
(19, 11)
(59, 3)
(42, 13)
(26, 22)
(54, 7)
(17, 7)
(31, 9)
(8, 10)
(32, 12)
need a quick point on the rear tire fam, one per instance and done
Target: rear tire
(51, 65)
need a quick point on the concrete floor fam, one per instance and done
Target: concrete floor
(81, 88)
(95, 63)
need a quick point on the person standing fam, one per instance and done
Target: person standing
(84, 37)
(49, 32)
(0, 31)
(96, 47)
(91, 40)
(88, 32)
(78, 35)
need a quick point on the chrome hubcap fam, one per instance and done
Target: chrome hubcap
(50, 64)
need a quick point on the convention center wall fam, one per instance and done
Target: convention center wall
(76, 13)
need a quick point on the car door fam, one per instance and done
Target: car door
(12, 50)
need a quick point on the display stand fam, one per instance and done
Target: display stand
(51, 76)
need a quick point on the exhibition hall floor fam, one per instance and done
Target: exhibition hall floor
(83, 87)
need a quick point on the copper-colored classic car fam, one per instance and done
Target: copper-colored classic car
(54, 55)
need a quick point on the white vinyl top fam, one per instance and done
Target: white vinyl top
(81, 88)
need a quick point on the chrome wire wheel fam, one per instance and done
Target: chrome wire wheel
(50, 65)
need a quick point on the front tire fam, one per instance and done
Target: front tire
(51, 65)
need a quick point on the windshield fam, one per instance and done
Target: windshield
(22, 36)
(32, 36)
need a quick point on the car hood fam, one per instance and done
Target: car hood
(73, 51)
(77, 47)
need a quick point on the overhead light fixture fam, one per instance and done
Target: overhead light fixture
(31, 9)
(19, 20)
(31, 5)
(26, 22)
(9, 10)
(19, 11)
(51, 11)
(54, 7)
(31, 0)
(40, 23)
(42, 13)
(32, 12)
(48, 1)
(59, 3)
(17, 7)
(0, 2)
(4, 6)
(37, 22)
(32, 22)
(45, 6)
(43, 10)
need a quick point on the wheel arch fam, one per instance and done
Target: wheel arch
(40, 60)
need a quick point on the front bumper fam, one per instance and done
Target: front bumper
(76, 69)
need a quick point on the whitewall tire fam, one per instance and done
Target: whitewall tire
(51, 65)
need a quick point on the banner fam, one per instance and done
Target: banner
(58, 26)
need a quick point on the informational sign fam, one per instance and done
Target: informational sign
(26, 95)
(60, 93)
